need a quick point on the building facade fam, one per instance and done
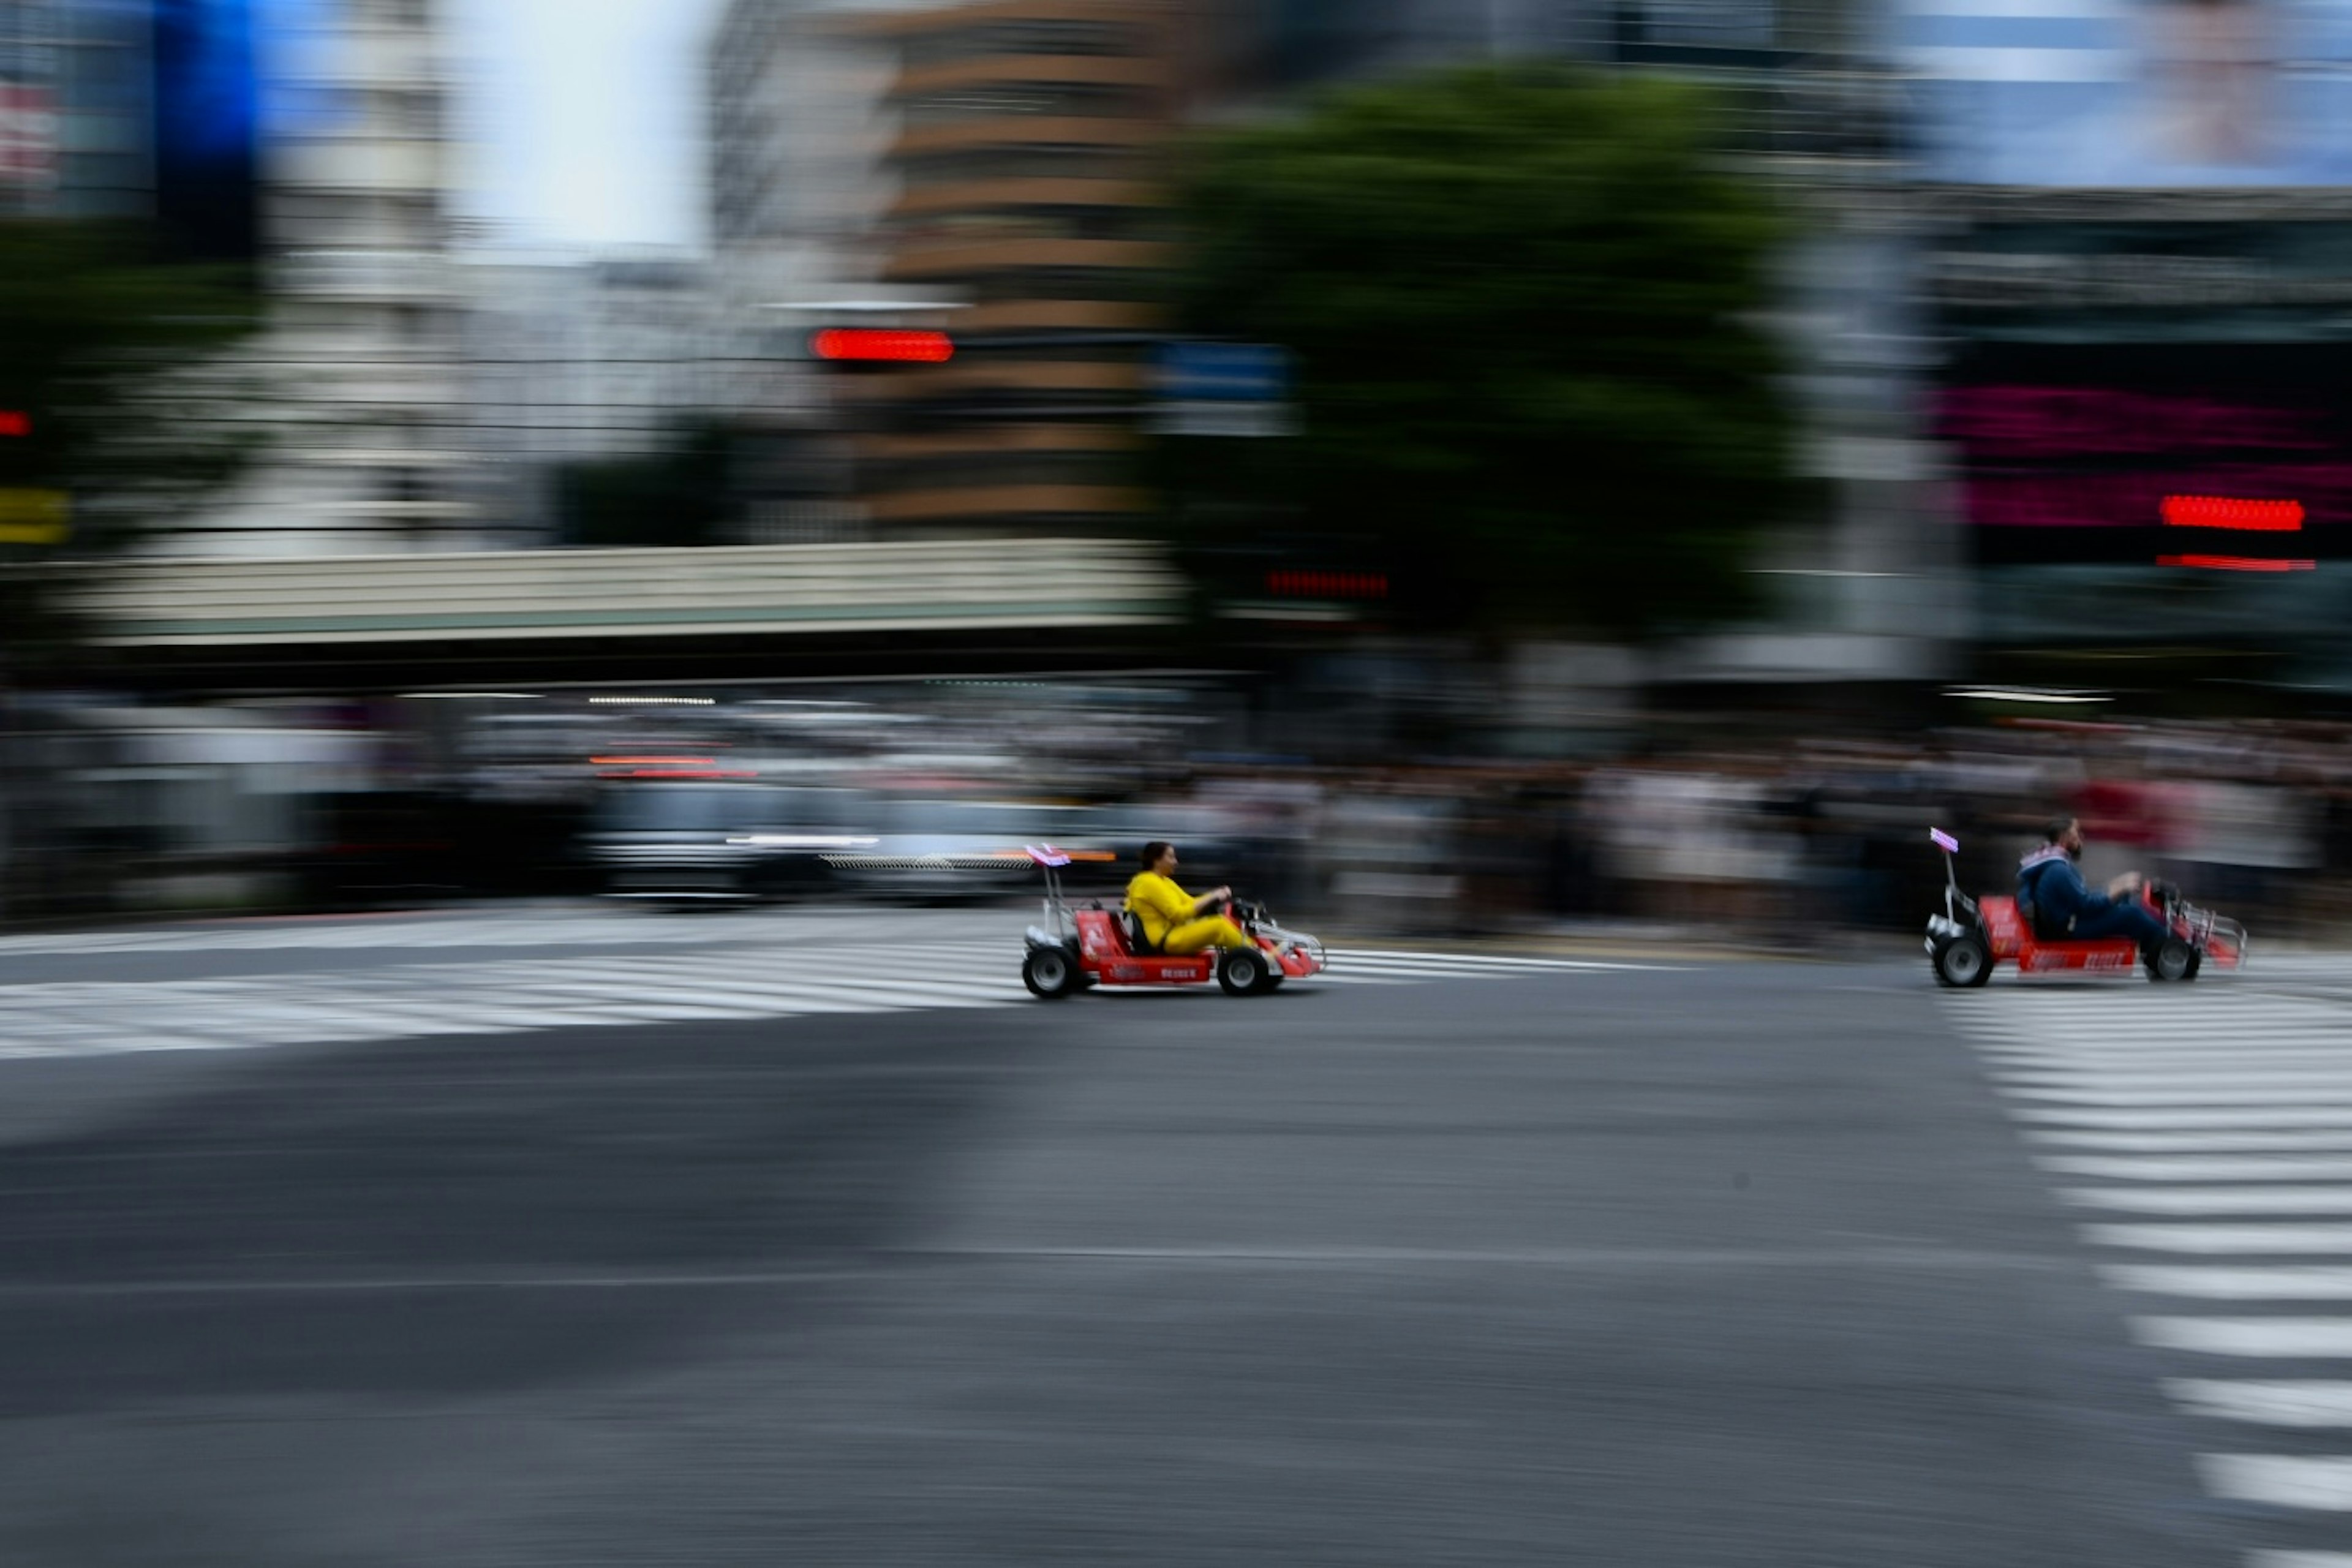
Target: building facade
(356, 381)
(77, 108)
(1026, 173)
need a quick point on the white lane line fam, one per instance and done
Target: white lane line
(2279, 1481)
(2299, 1339)
(2220, 1143)
(1415, 972)
(2310, 1403)
(2299, 1560)
(2225, 1240)
(1491, 961)
(2200, 1167)
(2306, 1282)
(2197, 1202)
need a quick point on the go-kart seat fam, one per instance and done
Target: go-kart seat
(1130, 926)
(2045, 927)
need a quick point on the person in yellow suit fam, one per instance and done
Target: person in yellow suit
(1174, 921)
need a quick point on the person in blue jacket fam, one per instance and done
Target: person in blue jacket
(2064, 909)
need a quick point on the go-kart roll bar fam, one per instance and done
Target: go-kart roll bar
(1057, 911)
(1952, 894)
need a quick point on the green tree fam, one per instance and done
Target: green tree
(118, 414)
(680, 495)
(1523, 305)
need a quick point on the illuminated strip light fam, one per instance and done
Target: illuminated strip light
(882, 345)
(2228, 511)
(806, 841)
(655, 761)
(2020, 694)
(2236, 563)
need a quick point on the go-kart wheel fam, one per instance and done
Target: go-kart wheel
(1049, 972)
(2196, 963)
(1242, 972)
(1963, 961)
(2172, 960)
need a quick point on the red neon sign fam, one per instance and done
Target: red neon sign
(891, 345)
(2227, 511)
(2235, 563)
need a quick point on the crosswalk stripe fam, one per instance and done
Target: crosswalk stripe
(2286, 1403)
(2335, 1067)
(2299, 1560)
(2323, 1484)
(2303, 1339)
(2188, 1202)
(480, 974)
(2199, 1167)
(2217, 1240)
(2230, 1140)
(2293, 1282)
(2220, 1114)
(2213, 1097)
(2171, 1119)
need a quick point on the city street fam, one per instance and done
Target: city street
(589, 1236)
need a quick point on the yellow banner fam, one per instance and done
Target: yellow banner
(35, 517)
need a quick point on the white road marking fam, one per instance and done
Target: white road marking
(2223, 1240)
(2183, 1119)
(2290, 1282)
(2201, 1142)
(2323, 1484)
(2202, 1167)
(687, 968)
(2310, 1403)
(2193, 1202)
(2297, 1339)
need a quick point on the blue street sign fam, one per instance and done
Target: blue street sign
(1197, 372)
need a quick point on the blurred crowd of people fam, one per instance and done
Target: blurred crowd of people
(1822, 834)
(304, 806)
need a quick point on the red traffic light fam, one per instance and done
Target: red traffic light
(16, 422)
(882, 344)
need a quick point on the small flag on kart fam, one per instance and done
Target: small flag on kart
(1046, 855)
(1944, 841)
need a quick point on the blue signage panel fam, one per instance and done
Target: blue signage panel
(1201, 372)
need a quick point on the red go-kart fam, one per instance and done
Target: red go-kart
(1095, 945)
(1972, 935)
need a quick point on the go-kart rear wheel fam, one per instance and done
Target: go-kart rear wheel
(2172, 960)
(1242, 972)
(1963, 961)
(1049, 972)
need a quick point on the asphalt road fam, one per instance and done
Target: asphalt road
(1734, 1266)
